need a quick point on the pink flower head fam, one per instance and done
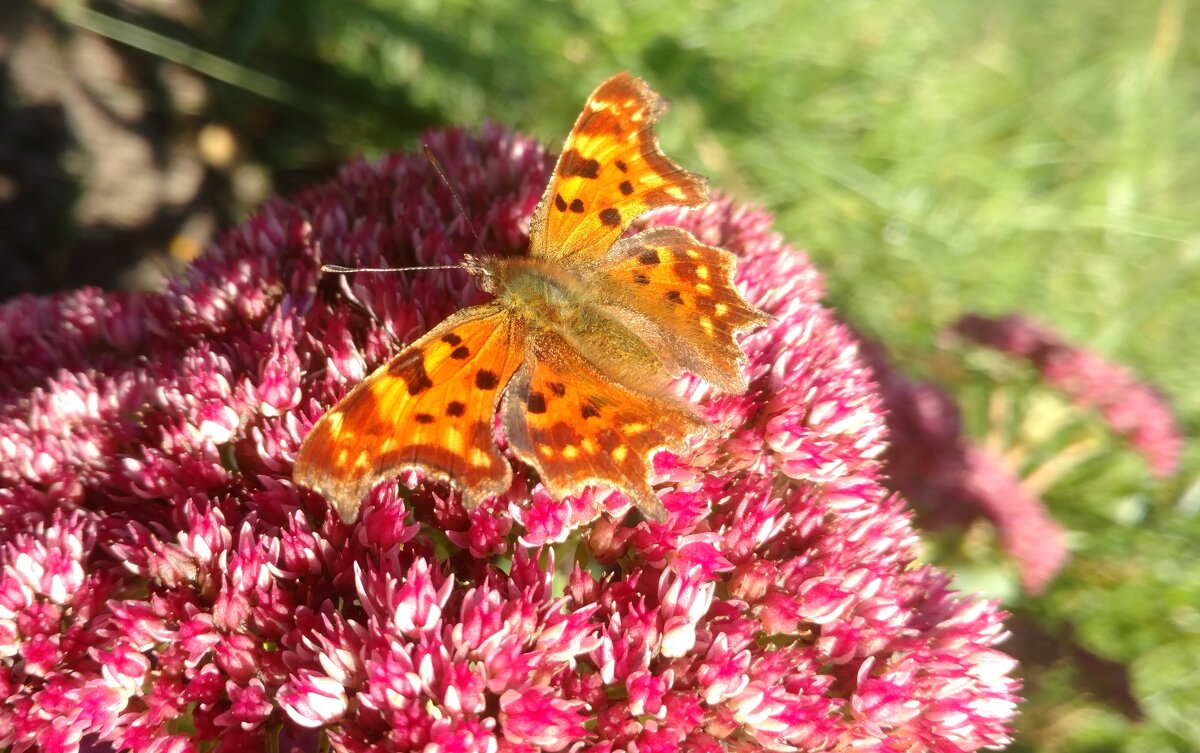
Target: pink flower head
(159, 564)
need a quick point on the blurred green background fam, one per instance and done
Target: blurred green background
(933, 157)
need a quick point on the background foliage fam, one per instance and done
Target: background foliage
(936, 157)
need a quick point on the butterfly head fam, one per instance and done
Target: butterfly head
(488, 272)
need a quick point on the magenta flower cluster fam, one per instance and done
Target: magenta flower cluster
(165, 587)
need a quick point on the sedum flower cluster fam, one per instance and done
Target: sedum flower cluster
(165, 587)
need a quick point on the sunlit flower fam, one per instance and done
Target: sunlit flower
(164, 585)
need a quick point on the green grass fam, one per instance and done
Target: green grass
(935, 158)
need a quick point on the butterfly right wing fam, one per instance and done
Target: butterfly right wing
(432, 406)
(577, 427)
(679, 295)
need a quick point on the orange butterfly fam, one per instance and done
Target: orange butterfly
(582, 336)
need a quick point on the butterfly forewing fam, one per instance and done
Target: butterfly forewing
(683, 291)
(610, 172)
(578, 428)
(432, 406)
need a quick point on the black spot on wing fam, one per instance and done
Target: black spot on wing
(460, 353)
(486, 380)
(410, 366)
(621, 166)
(575, 165)
(626, 187)
(648, 257)
(563, 434)
(558, 388)
(560, 203)
(423, 418)
(455, 408)
(536, 403)
(451, 339)
(610, 216)
(675, 297)
(577, 206)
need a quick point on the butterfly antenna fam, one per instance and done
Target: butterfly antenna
(437, 166)
(339, 269)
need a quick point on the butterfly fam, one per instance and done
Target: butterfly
(576, 349)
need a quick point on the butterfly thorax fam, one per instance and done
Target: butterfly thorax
(552, 298)
(544, 297)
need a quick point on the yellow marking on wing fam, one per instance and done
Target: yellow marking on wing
(620, 452)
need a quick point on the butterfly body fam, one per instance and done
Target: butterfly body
(584, 334)
(545, 297)
(576, 306)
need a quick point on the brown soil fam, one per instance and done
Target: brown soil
(105, 177)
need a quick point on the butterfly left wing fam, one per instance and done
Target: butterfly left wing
(432, 406)
(577, 427)
(610, 172)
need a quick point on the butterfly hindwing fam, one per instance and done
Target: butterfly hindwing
(610, 172)
(432, 406)
(577, 427)
(682, 295)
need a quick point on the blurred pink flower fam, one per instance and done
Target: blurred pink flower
(952, 480)
(163, 584)
(1131, 408)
